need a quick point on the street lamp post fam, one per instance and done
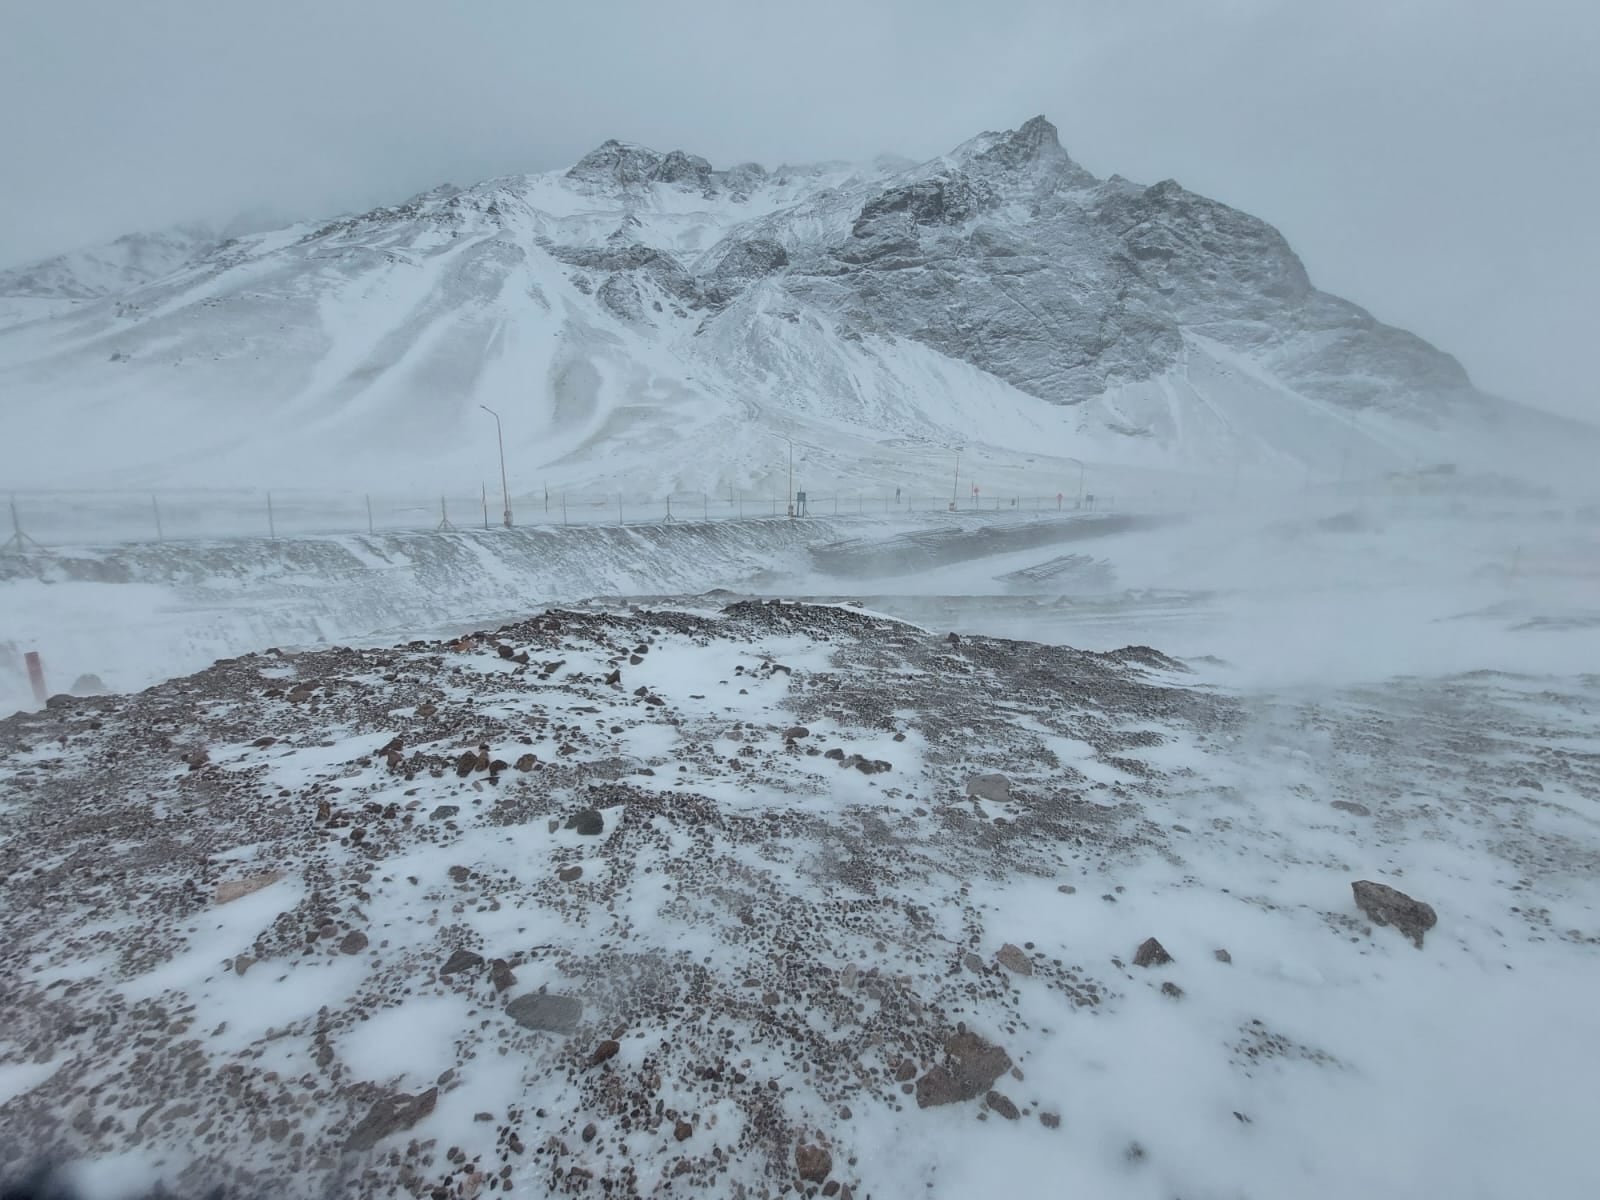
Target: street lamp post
(791, 476)
(505, 492)
(1081, 470)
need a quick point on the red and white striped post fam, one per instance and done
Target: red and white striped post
(36, 676)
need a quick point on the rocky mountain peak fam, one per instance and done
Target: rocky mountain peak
(632, 166)
(1034, 146)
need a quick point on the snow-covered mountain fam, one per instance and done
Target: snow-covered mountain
(644, 317)
(109, 270)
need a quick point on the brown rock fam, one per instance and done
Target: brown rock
(1050, 1120)
(604, 1052)
(1151, 953)
(794, 732)
(1014, 959)
(261, 743)
(570, 874)
(466, 762)
(546, 1011)
(1002, 1105)
(973, 1066)
(243, 963)
(390, 1115)
(813, 1162)
(905, 1071)
(353, 942)
(682, 1131)
(234, 888)
(461, 960)
(995, 788)
(525, 762)
(1388, 906)
(1222, 956)
(1350, 806)
(501, 974)
(1171, 989)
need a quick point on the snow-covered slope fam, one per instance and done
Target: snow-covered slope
(643, 318)
(796, 900)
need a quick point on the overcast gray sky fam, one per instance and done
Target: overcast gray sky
(1435, 160)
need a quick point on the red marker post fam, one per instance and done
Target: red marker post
(36, 676)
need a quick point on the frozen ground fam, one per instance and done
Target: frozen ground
(233, 900)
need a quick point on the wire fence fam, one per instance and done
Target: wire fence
(38, 520)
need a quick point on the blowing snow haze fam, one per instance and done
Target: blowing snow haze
(738, 664)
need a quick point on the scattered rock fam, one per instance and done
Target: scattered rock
(459, 874)
(461, 960)
(444, 812)
(243, 963)
(1002, 1105)
(1387, 906)
(1050, 1120)
(525, 762)
(1066, 889)
(353, 942)
(1222, 956)
(1013, 959)
(1524, 782)
(88, 685)
(954, 639)
(1350, 806)
(589, 1131)
(836, 754)
(794, 732)
(546, 1011)
(813, 1162)
(261, 743)
(501, 974)
(604, 1052)
(570, 874)
(906, 1071)
(682, 1131)
(390, 1115)
(1171, 989)
(1151, 953)
(588, 822)
(972, 962)
(994, 788)
(466, 762)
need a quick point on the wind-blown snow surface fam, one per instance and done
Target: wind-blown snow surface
(643, 319)
(285, 925)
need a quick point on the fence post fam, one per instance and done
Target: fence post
(370, 530)
(563, 508)
(156, 508)
(741, 506)
(444, 515)
(485, 505)
(705, 507)
(621, 520)
(272, 524)
(669, 509)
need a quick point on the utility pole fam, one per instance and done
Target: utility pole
(19, 541)
(955, 484)
(505, 492)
